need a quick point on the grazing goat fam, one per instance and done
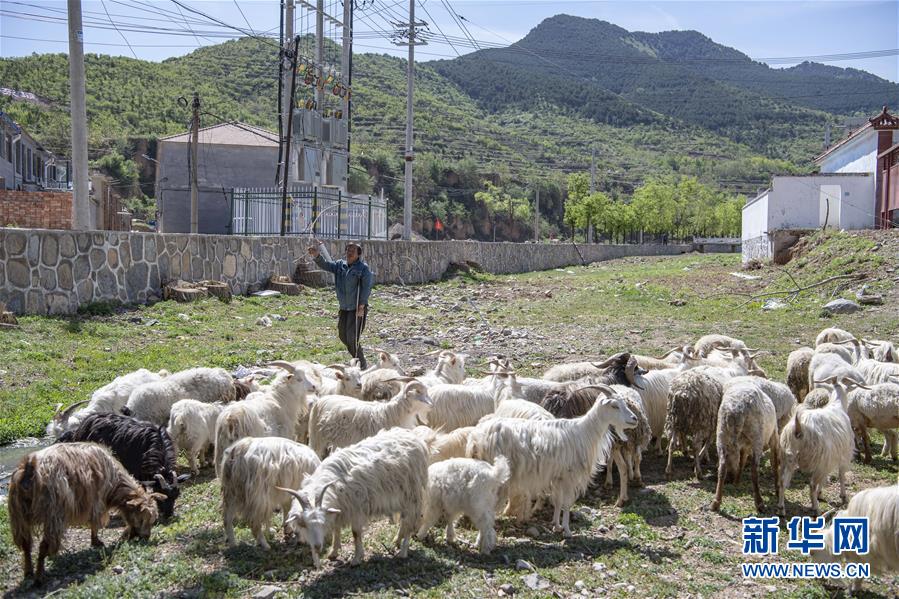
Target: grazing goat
(747, 423)
(252, 469)
(692, 414)
(336, 421)
(798, 363)
(272, 412)
(108, 398)
(465, 486)
(880, 505)
(378, 477)
(192, 429)
(557, 457)
(819, 441)
(153, 401)
(445, 445)
(73, 484)
(833, 335)
(144, 449)
(877, 407)
(708, 343)
(450, 370)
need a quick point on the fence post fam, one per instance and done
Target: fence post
(314, 208)
(339, 212)
(246, 211)
(231, 214)
(369, 216)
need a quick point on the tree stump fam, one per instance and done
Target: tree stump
(184, 292)
(7, 318)
(218, 289)
(284, 285)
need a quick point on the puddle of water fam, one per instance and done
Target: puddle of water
(11, 454)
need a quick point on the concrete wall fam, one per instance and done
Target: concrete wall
(755, 217)
(220, 166)
(44, 271)
(856, 156)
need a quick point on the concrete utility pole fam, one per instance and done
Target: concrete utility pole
(409, 32)
(592, 189)
(81, 214)
(537, 216)
(346, 64)
(320, 52)
(285, 88)
(194, 186)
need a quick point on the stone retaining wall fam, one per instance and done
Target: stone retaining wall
(45, 271)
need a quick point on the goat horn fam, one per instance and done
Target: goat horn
(604, 388)
(283, 364)
(669, 352)
(845, 341)
(400, 379)
(340, 367)
(321, 494)
(64, 415)
(303, 501)
(829, 513)
(605, 363)
(162, 481)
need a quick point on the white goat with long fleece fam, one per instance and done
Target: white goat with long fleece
(509, 401)
(336, 421)
(455, 406)
(880, 505)
(272, 412)
(832, 335)
(654, 394)
(445, 445)
(192, 429)
(557, 457)
(153, 401)
(465, 486)
(450, 370)
(381, 384)
(747, 423)
(819, 441)
(878, 408)
(111, 397)
(823, 366)
(252, 470)
(378, 477)
(708, 343)
(780, 395)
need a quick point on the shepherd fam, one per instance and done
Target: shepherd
(352, 281)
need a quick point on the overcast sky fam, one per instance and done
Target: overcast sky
(764, 30)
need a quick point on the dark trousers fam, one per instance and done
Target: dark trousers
(346, 330)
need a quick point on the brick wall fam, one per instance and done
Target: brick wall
(36, 209)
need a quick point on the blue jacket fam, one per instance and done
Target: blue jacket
(347, 279)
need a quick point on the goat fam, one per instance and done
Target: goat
(70, 485)
(153, 401)
(192, 428)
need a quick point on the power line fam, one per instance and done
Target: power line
(103, 3)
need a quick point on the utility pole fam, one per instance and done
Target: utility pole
(346, 64)
(194, 142)
(285, 89)
(409, 32)
(81, 202)
(592, 188)
(537, 216)
(285, 207)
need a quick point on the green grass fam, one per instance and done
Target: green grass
(664, 542)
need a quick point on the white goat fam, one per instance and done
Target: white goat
(819, 441)
(445, 445)
(111, 397)
(450, 370)
(627, 451)
(832, 335)
(798, 363)
(378, 477)
(252, 469)
(692, 414)
(465, 486)
(153, 401)
(708, 343)
(747, 423)
(557, 457)
(456, 406)
(336, 421)
(192, 428)
(880, 505)
(825, 365)
(272, 412)
(877, 407)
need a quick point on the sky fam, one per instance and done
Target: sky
(770, 31)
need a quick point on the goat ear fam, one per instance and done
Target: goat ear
(339, 375)
(288, 377)
(183, 478)
(333, 510)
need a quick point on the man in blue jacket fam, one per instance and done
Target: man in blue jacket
(352, 281)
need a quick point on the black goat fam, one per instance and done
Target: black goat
(576, 398)
(144, 449)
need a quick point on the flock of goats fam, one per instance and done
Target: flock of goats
(332, 447)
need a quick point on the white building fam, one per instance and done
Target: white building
(844, 195)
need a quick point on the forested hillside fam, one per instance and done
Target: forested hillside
(652, 105)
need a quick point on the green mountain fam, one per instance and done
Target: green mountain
(521, 117)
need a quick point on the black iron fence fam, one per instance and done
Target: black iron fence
(321, 211)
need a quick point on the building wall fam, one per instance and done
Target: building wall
(221, 168)
(857, 156)
(54, 272)
(794, 202)
(36, 209)
(755, 217)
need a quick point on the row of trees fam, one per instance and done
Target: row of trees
(676, 206)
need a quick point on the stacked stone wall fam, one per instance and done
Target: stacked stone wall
(55, 272)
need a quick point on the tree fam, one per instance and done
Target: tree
(497, 200)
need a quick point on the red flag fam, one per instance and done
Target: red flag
(438, 225)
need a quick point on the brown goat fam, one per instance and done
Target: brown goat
(73, 484)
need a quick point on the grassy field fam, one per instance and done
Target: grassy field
(663, 543)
